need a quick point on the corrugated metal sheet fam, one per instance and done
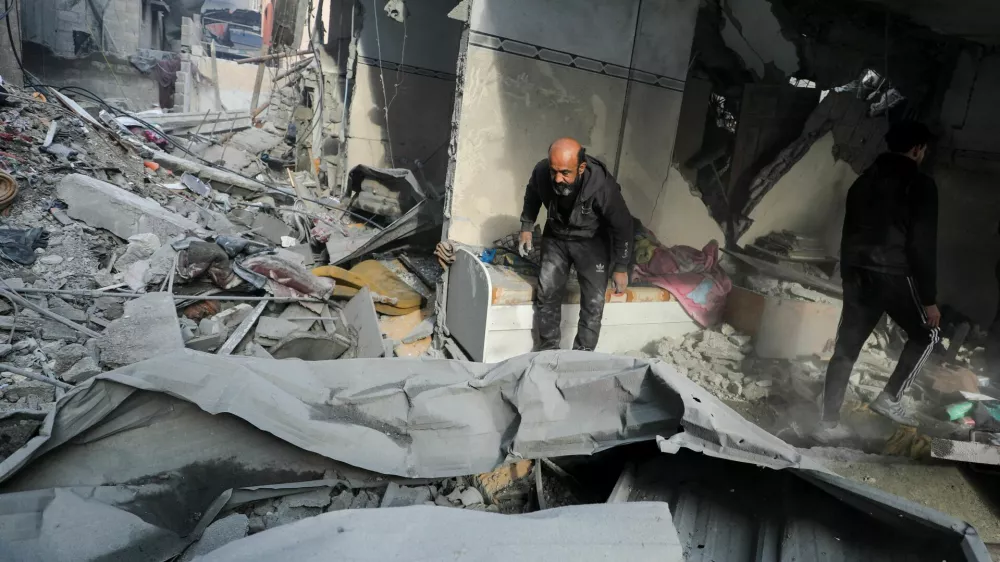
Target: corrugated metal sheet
(733, 512)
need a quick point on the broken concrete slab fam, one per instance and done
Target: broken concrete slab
(270, 227)
(208, 342)
(320, 497)
(311, 346)
(219, 533)
(271, 330)
(44, 392)
(124, 214)
(404, 496)
(67, 356)
(294, 312)
(83, 370)
(148, 328)
(362, 319)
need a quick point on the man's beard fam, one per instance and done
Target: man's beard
(566, 189)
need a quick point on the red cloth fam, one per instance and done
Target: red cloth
(692, 276)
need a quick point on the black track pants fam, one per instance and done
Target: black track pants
(591, 258)
(867, 295)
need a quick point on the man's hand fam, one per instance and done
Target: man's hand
(620, 279)
(524, 244)
(933, 316)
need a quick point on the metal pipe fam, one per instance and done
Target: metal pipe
(49, 314)
(35, 376)
(92, 293)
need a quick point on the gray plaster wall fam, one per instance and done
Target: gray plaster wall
(52, 23)
(411, 68)
(970, 114)
(611, 74)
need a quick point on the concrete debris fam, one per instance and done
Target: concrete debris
(404, 496)
(148, 328)
(772, 287)
(102, 205)
(320, 497)
(83, 370)
(272, 330)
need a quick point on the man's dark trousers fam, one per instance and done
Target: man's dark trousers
(867, 295)
(590, 256)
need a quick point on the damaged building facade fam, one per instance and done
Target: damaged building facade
(260, 281)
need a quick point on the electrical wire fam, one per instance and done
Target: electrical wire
(381, 76)
(105, 54)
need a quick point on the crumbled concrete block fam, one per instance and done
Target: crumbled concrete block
(231, 317)
(366, 499)
(271, 330)
(341, 501)
(471, 496)
(256, 350)
(210, 326)
(67, 356)
(124, 214)
(270, 227)
(218, 534)
(44, 392)
(207, 343)
(320, 497)
(67, 310)
(83, 370)
(296, 310)
(285, 514)
(404, 496)
(52, 331)
(148, 328)
(310, 346)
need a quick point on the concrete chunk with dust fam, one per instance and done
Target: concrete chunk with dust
(148, 328)
(124, 214)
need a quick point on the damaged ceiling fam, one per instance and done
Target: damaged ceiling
(975, 20)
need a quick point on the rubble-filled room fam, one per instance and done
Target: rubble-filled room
(499, 279)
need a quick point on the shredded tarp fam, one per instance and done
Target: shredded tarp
(634, 532)
(433, 417)
(134, 464)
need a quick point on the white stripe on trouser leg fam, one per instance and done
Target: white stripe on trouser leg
(930, 346)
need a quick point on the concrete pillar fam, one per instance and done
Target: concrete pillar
(9, 69)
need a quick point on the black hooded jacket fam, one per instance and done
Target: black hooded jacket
(599, 203)
(891, 223)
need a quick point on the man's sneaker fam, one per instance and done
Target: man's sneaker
(831, 432)
(884, 405)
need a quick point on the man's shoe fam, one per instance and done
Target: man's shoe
(831, 432)
(885, 406)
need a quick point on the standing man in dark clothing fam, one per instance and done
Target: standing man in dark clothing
(587, 217)
(888, 258)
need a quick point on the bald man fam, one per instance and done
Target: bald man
(587, 218)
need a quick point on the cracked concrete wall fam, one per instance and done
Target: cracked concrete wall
(969, 113)
(809, 199)
(611, 75)
(414, 67)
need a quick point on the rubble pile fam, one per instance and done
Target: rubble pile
(130, 236)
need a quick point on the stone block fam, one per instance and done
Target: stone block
(67, 356)
(84, 369)
(272, 330)
(148, 328)
(404, 496)
(124, 214)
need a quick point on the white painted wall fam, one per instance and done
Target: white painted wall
(809, 199)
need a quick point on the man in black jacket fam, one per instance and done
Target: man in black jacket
(587, 217)
(888, 259)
